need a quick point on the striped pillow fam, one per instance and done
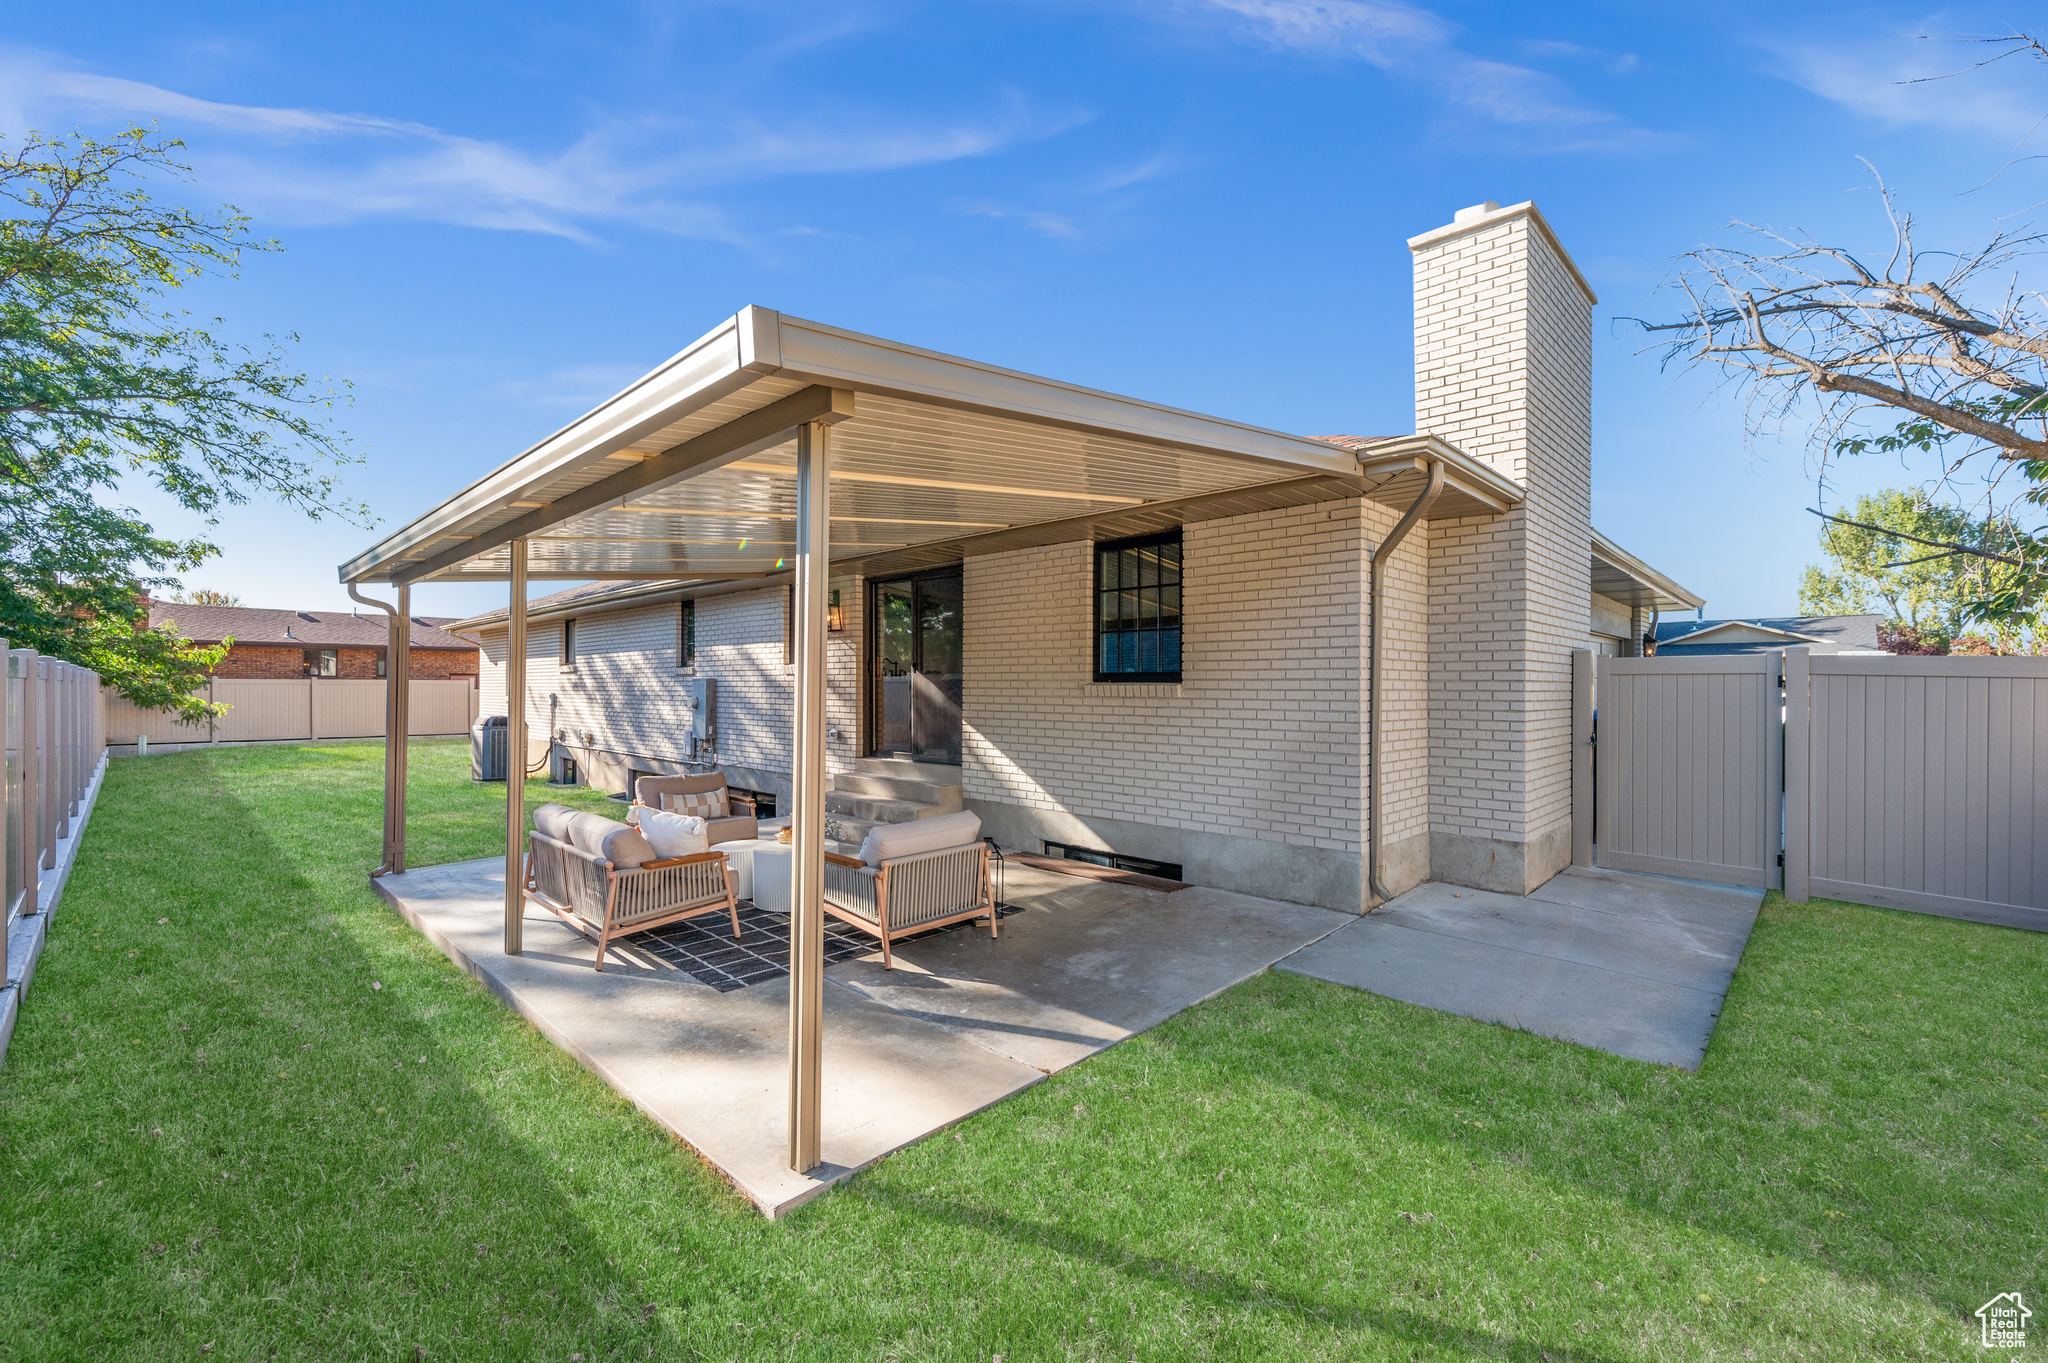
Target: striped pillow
(705, 804)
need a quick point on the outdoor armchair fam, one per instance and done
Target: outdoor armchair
(894, 895)
(601, 878)
(737, 825)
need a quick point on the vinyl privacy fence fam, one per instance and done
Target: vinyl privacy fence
(1908, 783)
(303, 709)
(55, 745)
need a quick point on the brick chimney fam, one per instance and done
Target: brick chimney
(1503, 371)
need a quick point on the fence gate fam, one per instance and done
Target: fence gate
(1686, 765)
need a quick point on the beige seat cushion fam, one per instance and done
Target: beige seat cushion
(624, 846)
(886, 840)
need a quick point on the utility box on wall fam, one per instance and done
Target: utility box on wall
(700, 694)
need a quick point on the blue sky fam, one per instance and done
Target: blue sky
(495, 215)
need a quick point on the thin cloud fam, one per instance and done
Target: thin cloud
(1418, 45)
(1877, 79)
(1045, 224)
(316, 167)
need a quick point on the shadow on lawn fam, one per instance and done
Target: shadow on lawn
(1221, 1289)
(324, 1146)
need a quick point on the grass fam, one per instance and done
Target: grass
(221, 1139)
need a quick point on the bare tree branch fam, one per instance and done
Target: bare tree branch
(1931, 544)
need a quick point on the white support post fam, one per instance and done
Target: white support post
(807, 915)
(515, 756)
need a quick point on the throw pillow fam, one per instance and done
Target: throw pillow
(674, 835)
(701, 804)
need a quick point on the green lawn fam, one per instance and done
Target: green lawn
(220, 1138)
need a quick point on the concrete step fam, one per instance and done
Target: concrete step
(853, 829)
(945, 799)
(881, 811)
(930, 773)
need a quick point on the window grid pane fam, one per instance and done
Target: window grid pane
(1138, 609)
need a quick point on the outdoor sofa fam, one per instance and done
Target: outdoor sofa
(603, 878)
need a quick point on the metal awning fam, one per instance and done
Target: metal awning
(689, 473)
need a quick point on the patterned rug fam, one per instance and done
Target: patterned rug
(703, 947)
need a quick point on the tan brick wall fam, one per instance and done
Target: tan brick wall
(1261, 738)
(1503, 340)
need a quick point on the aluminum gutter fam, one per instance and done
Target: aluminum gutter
(1620, 559)
(757, 343)
(1473, 477)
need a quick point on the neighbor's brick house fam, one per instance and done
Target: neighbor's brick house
(287, 645)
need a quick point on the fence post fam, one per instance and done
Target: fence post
(46, 764)
(28, 838)
(1582, 756)
(1798, 774)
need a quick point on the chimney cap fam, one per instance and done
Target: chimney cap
(1475, 212)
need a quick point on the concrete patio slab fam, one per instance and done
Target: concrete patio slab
(1086, 965)
(1630, 964)
(710, 1067)
(961, 1023)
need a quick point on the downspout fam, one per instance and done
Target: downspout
(1375, 668)
(394, 784)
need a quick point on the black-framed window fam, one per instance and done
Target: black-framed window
(382, 669)
(1138, 609)
(569, 643)
(686, 634)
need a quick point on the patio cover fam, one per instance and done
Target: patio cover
(689, 473)
(773, 444)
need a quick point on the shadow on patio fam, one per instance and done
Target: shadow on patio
(961, 1023)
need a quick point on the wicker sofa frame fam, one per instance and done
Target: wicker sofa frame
(909, 894)
(606, 902)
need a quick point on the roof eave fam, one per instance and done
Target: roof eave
(1668, 593)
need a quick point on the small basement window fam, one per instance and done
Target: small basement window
(764, 801)
(1144, 866)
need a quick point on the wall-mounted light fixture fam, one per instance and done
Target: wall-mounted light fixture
(835, 618)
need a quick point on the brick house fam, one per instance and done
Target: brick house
(1113, 630)
(287, 645)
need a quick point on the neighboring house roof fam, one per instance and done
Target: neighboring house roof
(300, 629)
(1761, 634)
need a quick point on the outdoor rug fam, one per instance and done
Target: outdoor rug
(704, 948)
